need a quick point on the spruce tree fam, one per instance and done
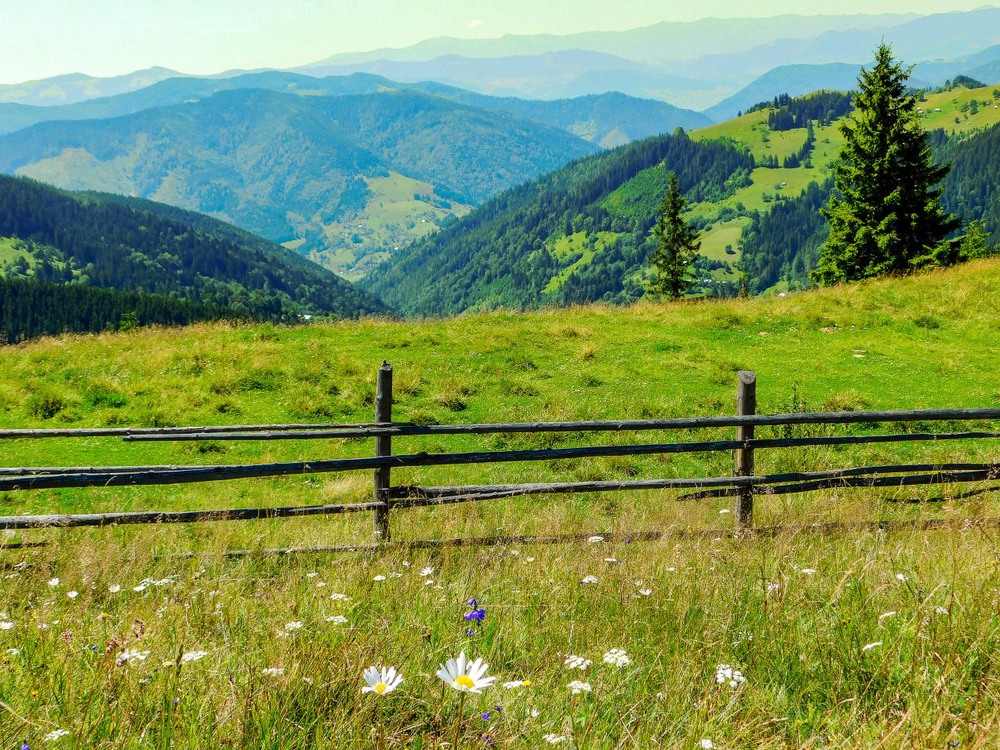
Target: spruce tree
(677, 246)
(885, 216)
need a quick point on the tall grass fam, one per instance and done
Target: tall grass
(870, 639)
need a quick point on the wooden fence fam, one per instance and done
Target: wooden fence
(743, 485)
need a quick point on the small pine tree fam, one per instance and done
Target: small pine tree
(677, 246)
(886, 215)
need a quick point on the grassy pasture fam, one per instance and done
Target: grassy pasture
(845, 640)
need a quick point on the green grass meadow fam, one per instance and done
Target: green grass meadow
(150, 637)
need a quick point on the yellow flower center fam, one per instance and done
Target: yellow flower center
(380, 688)
(465, 682)
(526, 683)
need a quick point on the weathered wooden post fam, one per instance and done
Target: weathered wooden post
(383, 447)
(746, 405)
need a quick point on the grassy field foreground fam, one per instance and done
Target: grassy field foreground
(875, 639)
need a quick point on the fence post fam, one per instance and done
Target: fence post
(383, 447)
(746, 404)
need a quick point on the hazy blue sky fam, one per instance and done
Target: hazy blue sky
(42, 38)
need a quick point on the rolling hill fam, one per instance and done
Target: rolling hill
(307, 171)
(96, 241)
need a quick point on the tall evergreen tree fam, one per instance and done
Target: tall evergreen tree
(677, 246)
(887, 217)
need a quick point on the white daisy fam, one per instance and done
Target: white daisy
(381, 680)
(429, 570)
(467, 677)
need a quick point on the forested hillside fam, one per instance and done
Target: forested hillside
(91, 240)
(343, 179)
(577, 235)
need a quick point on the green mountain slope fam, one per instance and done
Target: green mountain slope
(578, 234)
(302, 170)
(93, 240)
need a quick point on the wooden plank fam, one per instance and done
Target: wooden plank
(383, 447)
(746, 405)
(215, 473)
(189, 516)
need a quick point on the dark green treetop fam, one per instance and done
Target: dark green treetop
(885, 216)
(677, 246)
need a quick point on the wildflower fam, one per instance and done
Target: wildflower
(13, 652)
(808, 571)
(72, 594)
(529, 559)
(378, 578)
(339, 597)
(589, 579)
(516, 684)
(114, 588)
(596, 539)
(193, 656)
(131, 655)
(424, 572)
(773, 587)
(724, 510)
(870, 646)
(140, 588)
(293, 625)
(53, 583)
(55, 734)
(477, 614)
(381, 680)
(939, 610)
(6, 624)
(725, 673)
(611, 560)
(706, 744)
(555, 739)
(901, 577)
(465, 677)
(337, 620)
(645, 592)
(312, 574)
(577, 687)
(273, 671)
(577, 662)
(617, 657)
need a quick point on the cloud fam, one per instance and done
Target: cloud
(476, 23)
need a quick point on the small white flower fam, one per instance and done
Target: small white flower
(114, 588)
(193, 656)
(429, 582)
(611, 560)
(724, 673)
(773, 587)
(595, 539)
(141, 587)
(72, 594)
(53, 582)
(273, 671)
(321, 584)
(131, 655)
(381, 680)
(378, 578)
(6, 624)
(429, 570)
(577, 687)
(870, 646)
(724, 511)
(337, 620)
(339, 597)
(293, 625)
(617, 657)
(884, 615)
(589, 579)
(312, 574)
(645, 592)
(671, 570)
(706, 744)
(529, 559)
(55, 734)
(466, 676)
(516, 684)
(555, 739)
(577, 662)
(939, 610)
(13, 652)
(808, 571)
(901, 577)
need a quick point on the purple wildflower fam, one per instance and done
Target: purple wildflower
(477, 614)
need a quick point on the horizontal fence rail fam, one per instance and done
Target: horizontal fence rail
(744, 484)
